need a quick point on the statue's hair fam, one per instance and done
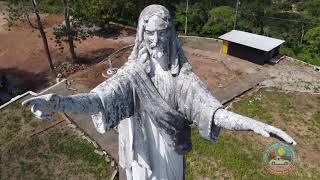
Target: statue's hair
(177, 60)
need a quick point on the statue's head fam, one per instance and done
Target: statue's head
(157, 40)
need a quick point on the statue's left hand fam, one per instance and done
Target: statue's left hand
(267, 130)
(233, 121)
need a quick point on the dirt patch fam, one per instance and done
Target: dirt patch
(26, 56)
(287, 74)
(47, 22)
(91, 77)
(23, 61)
(293, 76)
(202, 43)
(213, 72)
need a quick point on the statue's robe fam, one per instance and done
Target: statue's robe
(154, 112)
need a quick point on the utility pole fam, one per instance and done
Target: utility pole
(302, 34)
(235, 16)
(186, 23)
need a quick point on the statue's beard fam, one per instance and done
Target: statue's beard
(156, 52)
(160, 56)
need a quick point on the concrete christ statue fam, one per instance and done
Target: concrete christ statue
(153, 98)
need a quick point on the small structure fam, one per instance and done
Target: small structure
(253, 47)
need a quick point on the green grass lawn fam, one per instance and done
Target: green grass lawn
(238, 155)
(60, 154)
(57, 153)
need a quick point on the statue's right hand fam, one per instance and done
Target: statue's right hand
(43, 106)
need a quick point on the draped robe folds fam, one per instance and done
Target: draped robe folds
(154, 120)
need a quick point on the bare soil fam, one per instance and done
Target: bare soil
(293, 76)
(23, 61)
(213, 72)
(218, 70)
(287, 75)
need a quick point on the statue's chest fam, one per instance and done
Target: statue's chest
(164, 83)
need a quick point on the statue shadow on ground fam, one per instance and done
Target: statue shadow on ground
(20, 81)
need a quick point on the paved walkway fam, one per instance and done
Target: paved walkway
(230, 92)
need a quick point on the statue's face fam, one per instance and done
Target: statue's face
(156, 39)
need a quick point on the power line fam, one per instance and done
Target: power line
(235, 16)
(186, 22)
(283, 19)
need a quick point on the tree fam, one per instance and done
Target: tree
(69, 30)
(75, 28)
(256, 10)
(180, 15)
(312, 38)
(20, 10)
(197, 17)
(93, 12)
(310, 8)
(219, 22)
(43, 34)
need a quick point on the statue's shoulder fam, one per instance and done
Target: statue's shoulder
(114, 79)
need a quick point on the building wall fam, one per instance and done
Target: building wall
(274, 52)
(247, 53)
(225, 47)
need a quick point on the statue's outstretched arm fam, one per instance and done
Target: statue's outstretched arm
(236, 122)
(43, 106)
